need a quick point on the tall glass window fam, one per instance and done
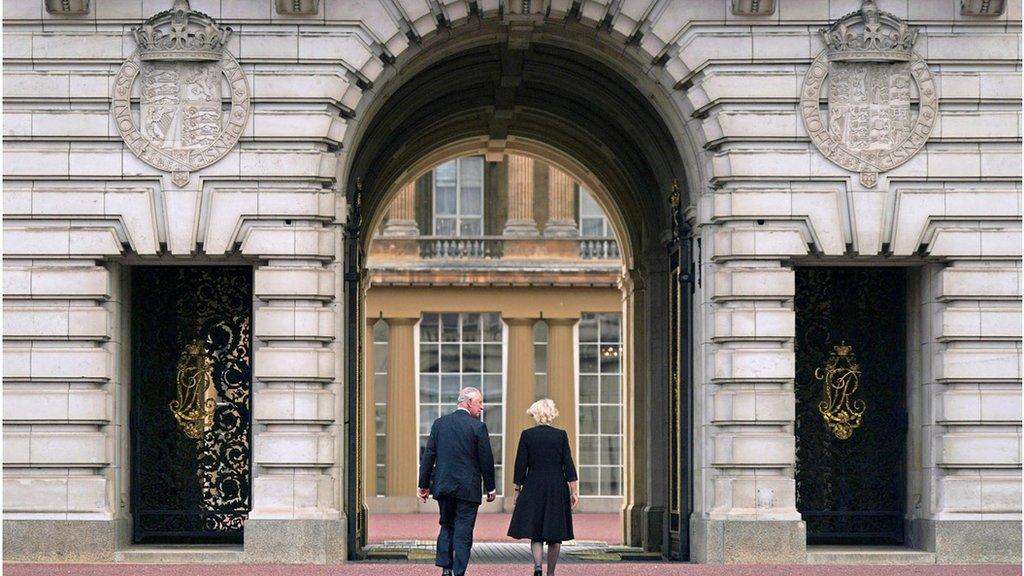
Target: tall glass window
(600, 404)
(459, 350)
(593, 222)
(459, 197)
(380, 398)
(540, 358)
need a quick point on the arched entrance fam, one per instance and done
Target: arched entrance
(512, 87)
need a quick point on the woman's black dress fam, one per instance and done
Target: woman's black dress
(543, 467)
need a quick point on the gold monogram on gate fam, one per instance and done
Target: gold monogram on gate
(196, 395)
(841, 376)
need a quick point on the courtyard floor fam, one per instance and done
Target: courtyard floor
(598, 536)
(640, 569)
(489, 527)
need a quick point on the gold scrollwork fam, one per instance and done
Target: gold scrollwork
(196, 395)
(841, 376)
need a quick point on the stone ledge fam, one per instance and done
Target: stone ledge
(62, 541)
(969, 541)
(871, 555)
(295, 541)
(747, 542)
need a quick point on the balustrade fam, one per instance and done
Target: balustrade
(493, 247)
(598, 248)
(460, 248)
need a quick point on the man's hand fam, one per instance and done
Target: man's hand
(492, 495)
(422, 494)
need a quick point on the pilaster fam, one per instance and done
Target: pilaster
(965, 470)
(520, 197)
(401, 220)
(561, 199)
(562, 375)
(520, 392)
(401, 462)
(747, 469)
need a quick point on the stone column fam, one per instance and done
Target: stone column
(562, 375)
(561, 220)
(369, 415)
(400, 460)
(634, 473)
(402, 213)
(520, 197)
(520, 392)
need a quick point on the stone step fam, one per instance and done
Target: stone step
(573, 552)
(867, 555)
(181, 554)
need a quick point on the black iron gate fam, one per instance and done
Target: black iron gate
(680, 341)
(190, 418)
(850, 404)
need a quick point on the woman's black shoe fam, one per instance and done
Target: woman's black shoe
(538, 572)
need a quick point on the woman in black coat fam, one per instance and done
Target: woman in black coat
(546, 487)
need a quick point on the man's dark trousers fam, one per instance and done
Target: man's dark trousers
(455, 462)
(456, 537)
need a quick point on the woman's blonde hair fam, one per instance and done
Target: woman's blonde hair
(543, 411)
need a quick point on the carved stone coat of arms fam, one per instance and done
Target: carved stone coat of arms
(193, 99)
(873, 80)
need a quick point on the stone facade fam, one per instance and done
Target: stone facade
(81, 207)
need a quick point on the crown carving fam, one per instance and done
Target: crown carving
(195, 348)
(181, 34)
(869, 35)
(843, 349)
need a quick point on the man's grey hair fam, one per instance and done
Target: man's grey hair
(468, 393)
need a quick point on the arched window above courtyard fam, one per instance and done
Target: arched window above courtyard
(515, 209)
(508, 273)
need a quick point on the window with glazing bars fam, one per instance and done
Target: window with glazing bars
(600, 404)
(459, 197)
(458, 350)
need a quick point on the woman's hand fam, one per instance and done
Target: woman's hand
(574, 499)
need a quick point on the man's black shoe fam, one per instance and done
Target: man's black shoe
(446, 572)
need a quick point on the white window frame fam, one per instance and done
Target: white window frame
(378, 438)
(498, 479)
(605, 225)
(458, 216)
(622, 409)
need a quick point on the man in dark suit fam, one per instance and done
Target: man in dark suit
(457, 456)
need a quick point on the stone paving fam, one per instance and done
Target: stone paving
(402, 545)
(574, 551)
(489, 527)
(407, 569)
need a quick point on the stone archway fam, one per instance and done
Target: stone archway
(499, 88)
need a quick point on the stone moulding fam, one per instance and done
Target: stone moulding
(868, 128)
(299, 7)
(75, 7)
(753, 7)
(181, 127)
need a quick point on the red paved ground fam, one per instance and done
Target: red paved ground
(645, 569)
(489, 527)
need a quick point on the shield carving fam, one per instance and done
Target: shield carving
(876, 119)
(180, 104)
(869, 106)
(192, 94)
